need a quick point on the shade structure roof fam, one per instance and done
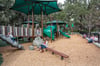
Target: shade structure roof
(30, 22)
(55, 21)
(25, 6)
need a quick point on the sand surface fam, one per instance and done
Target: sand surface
(79, 51)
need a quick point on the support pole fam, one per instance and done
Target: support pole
(13, 30)
(45, 20)
(5, 30)
(51, 28)
(42, 21)
(99, 37)
(28, 25)
(45, 17)
(33, 23)
(57, 28)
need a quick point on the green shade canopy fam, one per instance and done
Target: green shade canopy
(54, 22)
(30, 22)
(66, 25)
(72, 25)
(25, 6)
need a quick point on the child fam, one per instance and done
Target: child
(91, 39)
(96, 38)
(11, 36)
(84, 36)
(44, 45)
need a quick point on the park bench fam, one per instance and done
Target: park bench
(58, 53)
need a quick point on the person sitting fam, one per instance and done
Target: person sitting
(44, 45)
(91, 39)
(11, 36)
(84, 36)
(96, 38)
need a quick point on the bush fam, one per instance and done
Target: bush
(1, 59)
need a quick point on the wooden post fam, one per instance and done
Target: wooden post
(5, 30)
(0, 29)
(28, 23)
(45, 17)
(42, 21)
(33, 23)
(51, 28)
(23, 32)
(13, 30)
(17, 31)
(28, 26)
(57, 28)
(99, 37)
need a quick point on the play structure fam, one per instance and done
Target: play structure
(64, 34)
(11, 42)
(16, 31)
(25, 32)
(47, 32)
(36, 7)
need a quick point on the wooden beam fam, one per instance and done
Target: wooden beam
(33, 23)
(42, 20)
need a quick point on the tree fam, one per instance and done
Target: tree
(7, 16)
(85, 13)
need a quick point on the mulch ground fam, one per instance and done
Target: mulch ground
(80, 53)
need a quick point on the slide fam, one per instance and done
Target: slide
(9, 41)
(47, 32)
(64, 34)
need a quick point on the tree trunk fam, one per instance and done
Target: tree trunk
(89, 32)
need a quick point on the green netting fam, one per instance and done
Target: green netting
(54, 22)
(30, 22)
(26, 7)
(43, 0)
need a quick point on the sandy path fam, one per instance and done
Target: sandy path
(80, 54)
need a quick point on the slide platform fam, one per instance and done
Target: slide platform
(47, 32)
(11, 42)
(64, 34)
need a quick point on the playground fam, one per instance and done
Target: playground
(38, 37)
(81, 54)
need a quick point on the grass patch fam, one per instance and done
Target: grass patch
(1, 59)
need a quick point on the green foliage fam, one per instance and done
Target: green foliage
(1, 59)
(8, 16)
(86, 15)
